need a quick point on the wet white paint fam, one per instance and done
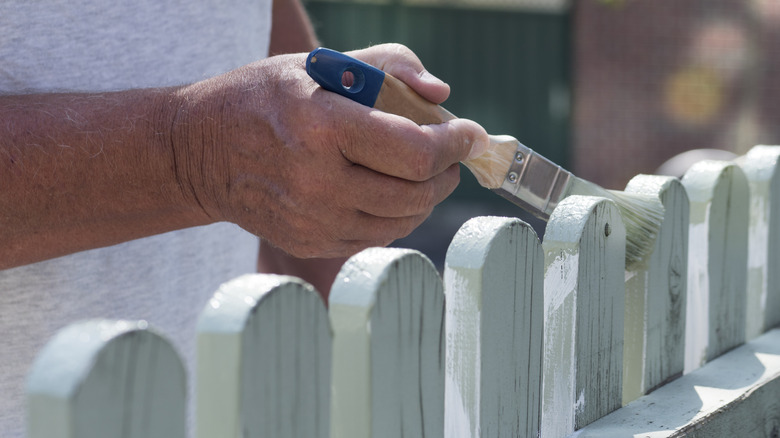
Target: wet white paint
(463, 328)
(560, 361)
(697, 310)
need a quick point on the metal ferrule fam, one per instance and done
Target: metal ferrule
(535, 183)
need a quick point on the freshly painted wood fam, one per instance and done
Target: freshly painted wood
(493, 282)
(717, 260)
(654, 348)
(760, 165)
(264, 359)
(387, 314)
(584, 247)
(102, 378)
(734, 395)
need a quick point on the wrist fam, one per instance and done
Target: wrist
(193, 121)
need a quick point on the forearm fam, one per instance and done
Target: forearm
(291, 31)
(260, 146)
(81, 171)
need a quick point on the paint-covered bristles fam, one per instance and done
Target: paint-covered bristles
(642, 216)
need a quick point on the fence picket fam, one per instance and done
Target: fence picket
(102, 378)
(760, 165)
(494, 279)
(549, 339)
(264, 360)
(584, 290)
(735, 395)
(387, 314)
(655, 295)
(717, 260)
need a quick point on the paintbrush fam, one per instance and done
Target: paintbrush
(508, 167)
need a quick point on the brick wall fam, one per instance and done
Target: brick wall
(654, 78)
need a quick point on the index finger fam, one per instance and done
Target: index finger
(396, 146)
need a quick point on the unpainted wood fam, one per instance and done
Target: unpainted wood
(398, 98)
(387, 314)
(735, 395)
(760, 165)
(105, 378)
(493, 280)
(584, 291)
(654, 347)
(264, 357)
(717, 260)
(490, 168)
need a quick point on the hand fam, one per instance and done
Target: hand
(310, 171)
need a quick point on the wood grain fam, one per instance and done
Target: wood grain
(760, 165)
(734, 395)
(387, 314)
(584, 289)
(104, 378)
(654, 347)
(398, 98)
(264, 360)
(494, 279)
(717, 260)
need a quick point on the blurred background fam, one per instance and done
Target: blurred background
(606, 88)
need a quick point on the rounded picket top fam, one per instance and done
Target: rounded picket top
(387, 314)
(264, 353)
(574, 218)
(584, 299)
(100, 378)
(477, 237)
(493, 281)
(762, 167)
(654, 347)
(719, 197)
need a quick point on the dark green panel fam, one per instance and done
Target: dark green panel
(504, 67)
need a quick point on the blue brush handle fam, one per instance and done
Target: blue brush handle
(327, 67)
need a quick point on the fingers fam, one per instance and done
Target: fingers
(398, 147)
(401, 62)
(367, 233)
(420, 157)
(334, 177)
(367, 209)
(382, 209)
(384, 196)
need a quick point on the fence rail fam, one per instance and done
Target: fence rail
(517, 338)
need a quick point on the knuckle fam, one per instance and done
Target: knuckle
(403, 52)
(394, 56)
(425, 162)
(426, 197)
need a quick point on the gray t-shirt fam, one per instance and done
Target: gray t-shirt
(84, 45)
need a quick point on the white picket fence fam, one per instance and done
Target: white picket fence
(518, 339)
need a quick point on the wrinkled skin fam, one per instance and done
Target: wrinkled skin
(310, 172)
(314, 173)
